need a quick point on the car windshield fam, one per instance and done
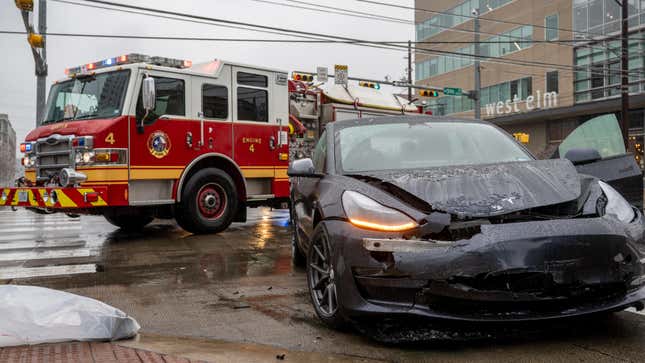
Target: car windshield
(87, 97)
(397, 146)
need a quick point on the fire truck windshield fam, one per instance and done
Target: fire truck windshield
(87, 97)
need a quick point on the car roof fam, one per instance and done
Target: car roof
(401, 119)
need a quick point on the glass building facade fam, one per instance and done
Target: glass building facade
(492, 94)
(506, 43)
(455, 16)
(593, 18)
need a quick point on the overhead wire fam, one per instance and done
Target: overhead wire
(353, 41)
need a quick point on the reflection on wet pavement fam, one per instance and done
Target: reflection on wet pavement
(240, 286)
(55, 245)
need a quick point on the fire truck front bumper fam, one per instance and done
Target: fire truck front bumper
(54, 198)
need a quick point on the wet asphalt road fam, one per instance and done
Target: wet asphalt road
(240, 286)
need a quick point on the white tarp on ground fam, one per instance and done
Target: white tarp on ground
(35, 315)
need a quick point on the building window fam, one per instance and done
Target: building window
(215, 101)
(552, 81)
(500, 45)
(551, 24)
(454, 16)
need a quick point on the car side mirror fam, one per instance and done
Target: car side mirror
(303, 168)
(583, 156)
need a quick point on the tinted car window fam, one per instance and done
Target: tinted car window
(250, 79)
(215, 101)
(252, 104)
(601, 133)
(320, 153)
(170, 98)
(398, 146)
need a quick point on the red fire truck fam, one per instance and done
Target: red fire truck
(137, 137)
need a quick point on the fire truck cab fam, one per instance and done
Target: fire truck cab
(136, 137)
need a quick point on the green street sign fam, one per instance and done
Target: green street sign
(449, 91)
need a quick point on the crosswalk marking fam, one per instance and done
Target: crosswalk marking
(44, 245)
(46, 271)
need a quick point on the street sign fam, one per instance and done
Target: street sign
(449, 91)
(322, 74)
(340, 74)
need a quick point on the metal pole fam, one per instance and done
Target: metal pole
(409, 70)
(478, 83)
(625, 76)
(41, 70)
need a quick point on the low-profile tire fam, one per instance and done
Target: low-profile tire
(209, 202)
(129, 223)
(298, 258)
(322, 282)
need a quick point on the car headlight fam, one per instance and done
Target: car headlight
(367, 213)
(617, 206)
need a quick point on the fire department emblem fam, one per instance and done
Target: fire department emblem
(159, 144)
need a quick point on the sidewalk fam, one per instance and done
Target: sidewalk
(158, 349)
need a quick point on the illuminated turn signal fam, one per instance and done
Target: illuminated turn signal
(382, 227)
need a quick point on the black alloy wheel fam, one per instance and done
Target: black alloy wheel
(322, 282)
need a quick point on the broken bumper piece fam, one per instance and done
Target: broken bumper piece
(514, 272)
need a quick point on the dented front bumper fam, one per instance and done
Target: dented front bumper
(508, 272)
(54, 198)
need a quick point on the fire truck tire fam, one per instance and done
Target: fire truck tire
(208, 203)
(128, 222)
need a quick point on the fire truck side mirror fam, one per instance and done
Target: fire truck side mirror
(149, 96)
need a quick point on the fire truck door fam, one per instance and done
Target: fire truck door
(255, 128)
(159, 154)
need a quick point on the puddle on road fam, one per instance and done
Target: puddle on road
(161, 254)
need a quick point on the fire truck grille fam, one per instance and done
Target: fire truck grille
(54, 154)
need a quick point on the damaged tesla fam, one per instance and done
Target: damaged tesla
(455, 220)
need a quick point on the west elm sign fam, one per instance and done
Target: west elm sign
(540, 101)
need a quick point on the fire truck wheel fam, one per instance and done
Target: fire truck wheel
(208, 203)
(129, 222)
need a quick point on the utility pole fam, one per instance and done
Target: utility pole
(478, 82)
(37, 43)
(625, 74)
(409, 70)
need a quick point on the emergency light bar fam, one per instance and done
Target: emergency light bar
(129, 59)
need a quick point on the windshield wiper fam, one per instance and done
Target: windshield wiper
(86, 116)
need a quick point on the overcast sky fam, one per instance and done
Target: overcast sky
(18, 85)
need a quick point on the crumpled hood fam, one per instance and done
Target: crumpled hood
(490, 190)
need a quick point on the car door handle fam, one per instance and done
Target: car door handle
(272, 143)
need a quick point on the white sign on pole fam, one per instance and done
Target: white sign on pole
(322, 74)
(340, 74)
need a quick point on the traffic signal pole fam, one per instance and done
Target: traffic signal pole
(36, 42)
(41, 66)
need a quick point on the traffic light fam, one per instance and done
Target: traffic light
(36, 40)
(25, 5)
(304, 77)
(369, 84)
(428, 93)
